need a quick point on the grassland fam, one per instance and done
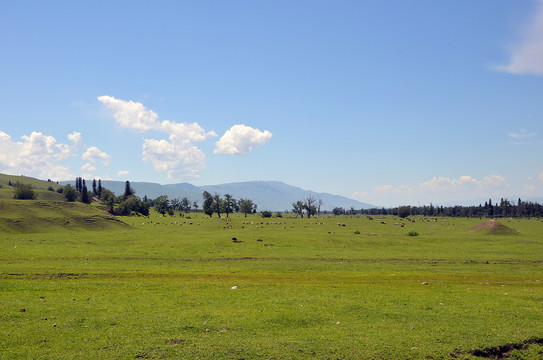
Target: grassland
(162, 287)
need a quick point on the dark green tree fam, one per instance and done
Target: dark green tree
(229, 204)
(128, 191)
(298, 208)
(217, 204)
(85, 194)
(246, 206)
(207, 206)
(94, 189)
(99, 188)
(162, 204)
(70, 194)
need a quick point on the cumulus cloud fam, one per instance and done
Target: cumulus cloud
(123, 172)
(527, 54)
(179, 159)
(176, 156)
(130, 114)
(94, 154)
(241, 139)
(36, 155)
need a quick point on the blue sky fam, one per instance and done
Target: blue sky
(389, 102)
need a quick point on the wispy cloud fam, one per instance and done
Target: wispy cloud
(527, 54)
(439, 189)
(521, 134)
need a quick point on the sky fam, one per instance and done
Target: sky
(388, 102)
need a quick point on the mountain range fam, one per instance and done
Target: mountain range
(268, 195)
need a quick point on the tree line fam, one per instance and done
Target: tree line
(504, 208)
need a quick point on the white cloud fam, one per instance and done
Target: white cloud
(241, 139)
(76, 139)
(36, 155)
(94, 154)
(130, 114)
(540, 177)
(180, 159)
(177, 156)
(88, 167)
(527, 55)
(123, 172)
(439, 189)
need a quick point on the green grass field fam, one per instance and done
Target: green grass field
(162, 287)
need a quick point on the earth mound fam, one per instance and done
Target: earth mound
(493, 227)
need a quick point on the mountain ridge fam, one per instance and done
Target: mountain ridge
(268, 195)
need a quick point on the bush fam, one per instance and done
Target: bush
(278, 215)
(357, 232)
(23, 192)
(266, 214)
(413, 233)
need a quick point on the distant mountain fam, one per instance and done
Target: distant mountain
(268, 195)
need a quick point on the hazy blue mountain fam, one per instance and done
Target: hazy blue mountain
(268, 195)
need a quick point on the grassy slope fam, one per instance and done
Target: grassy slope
(39, 216)
(309, 289)
(36, 183)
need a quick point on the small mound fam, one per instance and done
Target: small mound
(493, 227)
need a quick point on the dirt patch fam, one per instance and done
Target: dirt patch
(500, 352)
(493, 227)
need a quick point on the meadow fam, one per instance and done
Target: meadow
(333, 287)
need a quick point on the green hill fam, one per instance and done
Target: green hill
(34, 216)
(41, 188)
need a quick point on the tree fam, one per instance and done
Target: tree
(185, 205)
(99, 189)
(246, 206)
(23, 192)
(229, 204)
(298, 208)
(338, 211)
(404, 211)
(309, 206)
(162, 204)
(128, 191)
(70, 194)
(175, 204)
(85, 194)
(207, 206)
(195, 205)
(94, 189)
(217, 204)
(320, 202)
(108, 197)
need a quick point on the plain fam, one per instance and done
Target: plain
(333, 287)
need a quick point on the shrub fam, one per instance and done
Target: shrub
(413, 233)
(357, 232)
(266, 214)
(50, 188)
(23, 192)
(278, 215)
